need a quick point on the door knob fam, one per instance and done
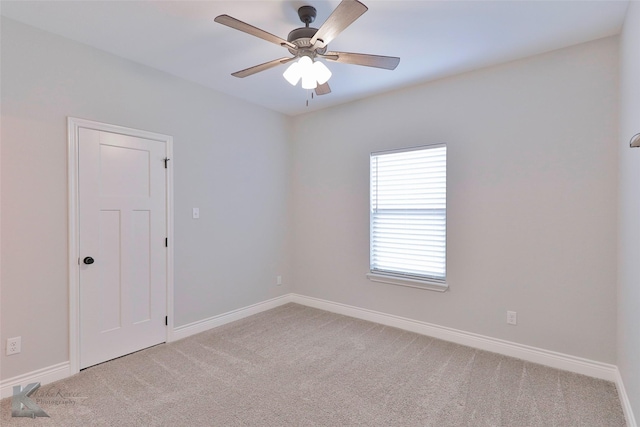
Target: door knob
(88, 260)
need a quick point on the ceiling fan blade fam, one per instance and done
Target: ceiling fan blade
(343, 16)
(377, 61)
(262, 67)
(254, 31)
(323, 89)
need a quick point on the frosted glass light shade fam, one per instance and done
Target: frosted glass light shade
(312, 73)
(292, 74)
(321, 73)
(306, 68)
(308, 82)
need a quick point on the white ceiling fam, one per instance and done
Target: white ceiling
(433, 39)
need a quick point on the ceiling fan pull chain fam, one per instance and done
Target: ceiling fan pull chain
(312, 96)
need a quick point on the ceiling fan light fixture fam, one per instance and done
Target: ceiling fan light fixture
(301, 69)
(312, 73)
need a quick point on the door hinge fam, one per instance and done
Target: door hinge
(166, 242)
(166, 320)
(166, 160)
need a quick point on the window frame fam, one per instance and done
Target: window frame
(408, 279)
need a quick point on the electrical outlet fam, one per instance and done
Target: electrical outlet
(13, 345)
(196, 213)
(279, 280)
(512, 317)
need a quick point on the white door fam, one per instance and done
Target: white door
(122, 229)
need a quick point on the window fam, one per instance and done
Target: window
(409, 217)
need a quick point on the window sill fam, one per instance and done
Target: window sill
(412, 283)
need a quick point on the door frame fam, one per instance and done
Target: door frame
(73, 126)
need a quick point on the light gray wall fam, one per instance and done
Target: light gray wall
(629, 225)
(230, 159)
(532, 199)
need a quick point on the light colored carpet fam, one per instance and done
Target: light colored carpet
(298, 366)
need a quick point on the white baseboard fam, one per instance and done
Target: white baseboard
(43, 376)
(531, 354)
(624, 401)
(224, 318)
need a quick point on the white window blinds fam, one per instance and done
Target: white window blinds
(409, 213)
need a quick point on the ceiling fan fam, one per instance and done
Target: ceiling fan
(307, 44)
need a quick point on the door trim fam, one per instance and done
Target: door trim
(73, 126)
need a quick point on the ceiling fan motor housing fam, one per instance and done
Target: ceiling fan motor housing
(301, 37)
